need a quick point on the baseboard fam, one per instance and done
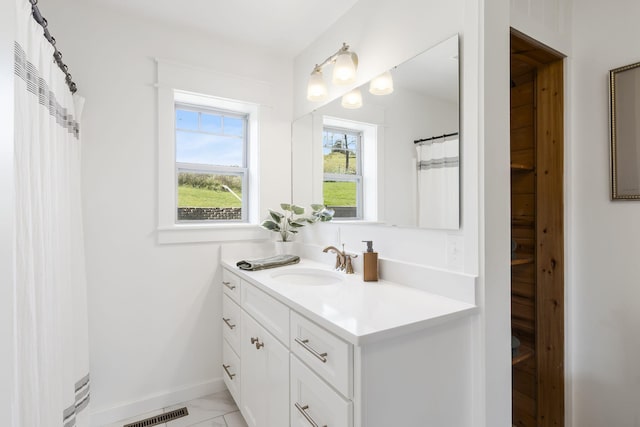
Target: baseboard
(101, 416)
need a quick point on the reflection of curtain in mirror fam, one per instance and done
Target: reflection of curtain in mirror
(438, 180)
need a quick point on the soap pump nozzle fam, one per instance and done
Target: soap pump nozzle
(369, 245)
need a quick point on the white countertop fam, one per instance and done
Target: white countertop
(357, 311)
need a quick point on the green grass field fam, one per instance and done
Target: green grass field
(202, 198)
(336, 163)
(335, 194)
(339, 193)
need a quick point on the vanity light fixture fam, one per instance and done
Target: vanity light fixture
(344, 73)
(352, 100)
(382, 85)
(317, 88)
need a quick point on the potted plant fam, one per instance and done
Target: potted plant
(288, 222)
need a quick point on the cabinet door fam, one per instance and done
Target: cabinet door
(265, 376)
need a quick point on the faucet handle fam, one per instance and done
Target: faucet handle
(348, 263)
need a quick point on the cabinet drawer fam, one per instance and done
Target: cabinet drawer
(231, 371)
(231, 322)
(270, 313)
(313, 401)
(231, 285)
(326, 354)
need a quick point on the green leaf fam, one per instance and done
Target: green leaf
(317, 208)
(297, 224)
(326, 215)
(298, 210)
(286, 207)
(277, 216)
(270, 225)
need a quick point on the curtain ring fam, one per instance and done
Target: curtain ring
(52, 41)
(34, 2)
(44, 22)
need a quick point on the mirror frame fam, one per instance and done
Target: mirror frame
(617, 140)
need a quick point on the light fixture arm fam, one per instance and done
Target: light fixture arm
(332, 59)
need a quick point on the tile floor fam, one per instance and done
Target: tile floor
(216, 410)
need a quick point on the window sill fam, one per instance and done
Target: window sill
(356, 222)
(197, 233)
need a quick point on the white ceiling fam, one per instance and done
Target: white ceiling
(285, 26)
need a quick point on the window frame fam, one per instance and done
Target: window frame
(358, 178)
(203, 86)
(205, 168)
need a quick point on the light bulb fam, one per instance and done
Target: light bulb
(382, 85)
(352, 100)
(316, 88)
(344, 70)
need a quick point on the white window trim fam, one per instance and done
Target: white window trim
(371, 164)
(188, 85)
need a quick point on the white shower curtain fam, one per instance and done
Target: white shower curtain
(438, 184)
(52, 366)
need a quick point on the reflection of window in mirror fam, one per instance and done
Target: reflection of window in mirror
(342, 181)
(349, 166)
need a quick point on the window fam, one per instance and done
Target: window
(342, 183)
(211, 164)
(199, 109)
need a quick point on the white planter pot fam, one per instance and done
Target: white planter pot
(283, 248)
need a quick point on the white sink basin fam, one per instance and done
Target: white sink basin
(307, 276)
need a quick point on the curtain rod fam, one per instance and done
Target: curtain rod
(417, 141)
(57, 55)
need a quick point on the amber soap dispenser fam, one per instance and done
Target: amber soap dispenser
(370, 263)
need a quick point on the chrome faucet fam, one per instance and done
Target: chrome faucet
(343, 259)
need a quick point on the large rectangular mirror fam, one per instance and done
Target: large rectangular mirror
(388, 158)
(625, 132)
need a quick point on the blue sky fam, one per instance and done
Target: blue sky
(216, 140)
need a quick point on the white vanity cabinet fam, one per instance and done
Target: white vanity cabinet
(297, 368)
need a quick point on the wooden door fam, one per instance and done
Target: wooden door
(537, 273)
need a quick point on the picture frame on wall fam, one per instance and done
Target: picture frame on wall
(624, 109)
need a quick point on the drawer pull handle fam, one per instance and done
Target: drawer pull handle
(228, 323)
(306, 346)
(257, 342)
(229, 285)
(226, 369)
(303, 411)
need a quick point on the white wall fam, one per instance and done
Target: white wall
(154, 310)
(7, 208)
(606, 239)
(548, 21)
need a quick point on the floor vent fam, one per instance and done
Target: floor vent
(160, 419)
